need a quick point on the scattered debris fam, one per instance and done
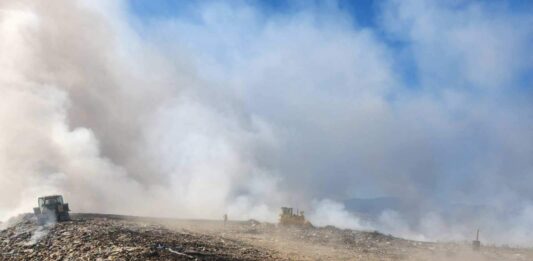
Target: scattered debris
(179, 253)
(331, 243)
(94, 238)
(114, 237)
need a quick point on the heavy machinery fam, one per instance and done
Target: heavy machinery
(289, 218)
(51, 209)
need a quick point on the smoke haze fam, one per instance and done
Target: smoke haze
(230, 109)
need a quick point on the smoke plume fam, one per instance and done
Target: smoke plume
(230, 109)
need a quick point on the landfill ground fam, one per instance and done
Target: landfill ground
(113, 237)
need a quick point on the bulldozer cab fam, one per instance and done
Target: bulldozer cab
(286, 211)
(50, 201)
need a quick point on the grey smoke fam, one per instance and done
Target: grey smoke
(243, 112)
(40, 232)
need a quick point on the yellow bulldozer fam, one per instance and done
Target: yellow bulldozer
(289, 218)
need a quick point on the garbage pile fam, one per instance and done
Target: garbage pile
(331, 243)
(89, 238)
(347, 238)
(111, 237)
(371, 243)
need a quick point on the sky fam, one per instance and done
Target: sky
(200, 108)
(362, 13)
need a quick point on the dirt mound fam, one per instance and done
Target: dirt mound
(114, 239)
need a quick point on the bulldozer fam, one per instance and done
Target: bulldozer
(51, 209)
(289, 218)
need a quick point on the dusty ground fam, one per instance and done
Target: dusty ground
(330, 243)
(109, 237)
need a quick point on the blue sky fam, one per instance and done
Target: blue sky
(363, 11)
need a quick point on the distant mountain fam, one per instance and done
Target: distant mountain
(413, 211)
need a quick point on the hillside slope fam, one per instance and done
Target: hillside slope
(114, 237)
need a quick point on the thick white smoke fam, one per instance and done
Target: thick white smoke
(92, 112)
(231, 110)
